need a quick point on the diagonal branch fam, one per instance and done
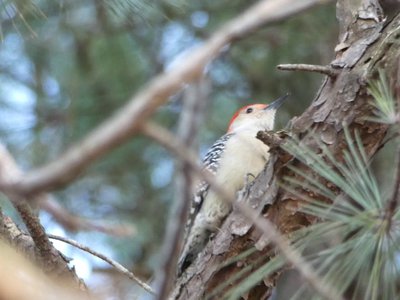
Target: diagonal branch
(170, 142)
(49, 258)
(113, 263)
(125, 123)
(195, 103)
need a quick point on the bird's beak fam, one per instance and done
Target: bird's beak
(277, 103)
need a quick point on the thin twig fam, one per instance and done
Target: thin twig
(170, 142)
(110, 261)
(194, 106)
(326, 70)
(126, 122)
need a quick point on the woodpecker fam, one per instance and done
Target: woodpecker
(231, 158)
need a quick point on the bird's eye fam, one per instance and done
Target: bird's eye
(249, 110)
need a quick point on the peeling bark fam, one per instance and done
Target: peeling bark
(368, 42)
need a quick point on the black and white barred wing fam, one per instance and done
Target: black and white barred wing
(210, 163)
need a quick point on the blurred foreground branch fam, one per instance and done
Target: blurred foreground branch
(196, 100)
(125, 123)
(20, 279)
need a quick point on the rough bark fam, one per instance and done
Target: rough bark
(368, 42)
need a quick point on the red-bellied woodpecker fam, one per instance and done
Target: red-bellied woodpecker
(234, 156)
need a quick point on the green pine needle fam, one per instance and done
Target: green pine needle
(383, 101)
(364, 260)
(351, 247)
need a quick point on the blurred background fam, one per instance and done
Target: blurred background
(65, 66)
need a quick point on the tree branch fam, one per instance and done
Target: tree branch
(10, 172)
(47, 256)
(326, 70)
(113, 263)
(195, 102)
(125, 123)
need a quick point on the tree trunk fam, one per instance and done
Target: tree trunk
(368, 42)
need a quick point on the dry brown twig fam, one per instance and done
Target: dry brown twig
(120, 268)
(326, 70)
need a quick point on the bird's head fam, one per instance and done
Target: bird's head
(255, 117)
